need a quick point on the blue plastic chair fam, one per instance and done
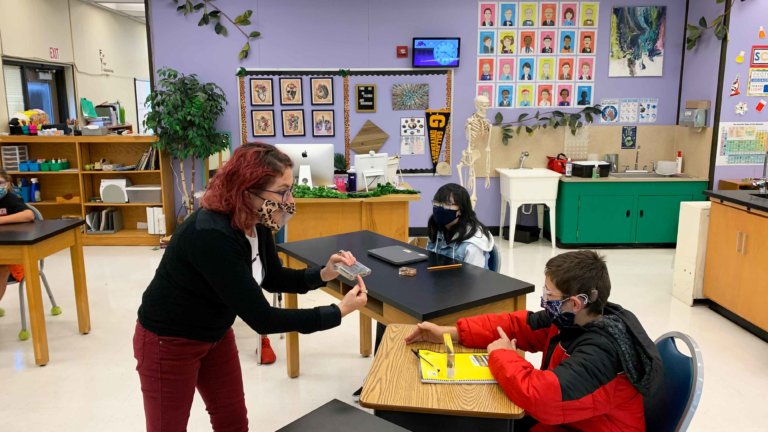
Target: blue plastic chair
(494, 259)
(675, 402)
(55, 309)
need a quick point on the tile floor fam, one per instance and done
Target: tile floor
(90, 383)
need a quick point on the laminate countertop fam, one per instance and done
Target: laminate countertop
(746, 198)
(612, 179)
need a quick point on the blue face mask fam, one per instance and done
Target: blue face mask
(444, 216)
(559, 318)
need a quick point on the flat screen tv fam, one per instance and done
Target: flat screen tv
(436, 52)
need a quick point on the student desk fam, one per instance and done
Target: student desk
(441, 297)
(394, 390)
(27, 244)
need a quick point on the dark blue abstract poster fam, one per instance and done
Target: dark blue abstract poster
(637, 41)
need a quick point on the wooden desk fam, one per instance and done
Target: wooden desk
(28, 243)
(393, 385)
(737, 184)
(441, 297)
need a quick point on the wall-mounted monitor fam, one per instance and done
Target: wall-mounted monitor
(436, 52)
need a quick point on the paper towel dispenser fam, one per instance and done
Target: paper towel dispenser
(695, 114)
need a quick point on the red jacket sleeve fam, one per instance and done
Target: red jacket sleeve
(479, 331)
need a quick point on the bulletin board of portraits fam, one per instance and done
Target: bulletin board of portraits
(536, 54)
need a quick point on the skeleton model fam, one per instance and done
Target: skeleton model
(478, 132)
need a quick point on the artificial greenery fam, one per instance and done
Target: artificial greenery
(183, 113)
(339, 162)
(304, 191)
(693, 32)
(212, 15)
(542, 120)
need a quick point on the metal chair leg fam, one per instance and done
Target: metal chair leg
(23, 333)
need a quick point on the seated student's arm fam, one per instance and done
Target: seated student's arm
(475, 256)
(529, 328)
(22, 216)
(577, 389)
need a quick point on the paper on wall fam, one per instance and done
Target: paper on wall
(610, 112)
(628, 109)
(648, 110)
(412, 145)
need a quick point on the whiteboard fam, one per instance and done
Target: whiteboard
(142, 91)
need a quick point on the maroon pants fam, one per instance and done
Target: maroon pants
(170, 368)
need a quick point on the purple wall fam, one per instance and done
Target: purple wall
(746, 19)
(363, 34)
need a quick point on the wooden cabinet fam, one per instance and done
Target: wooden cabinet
(85, 150)
(736, 271)
(615, 212)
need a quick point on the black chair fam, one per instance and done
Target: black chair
(675, 403)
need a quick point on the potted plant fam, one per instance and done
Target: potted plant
(183, 114)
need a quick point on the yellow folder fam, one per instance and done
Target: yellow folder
(468, 368)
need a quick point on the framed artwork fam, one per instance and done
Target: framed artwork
(586, 66)
(587, 42)
(589, 14)
(506, 96)
(293, 122)
(261, 92)
(322, 123)
(564, 94)
(528, 13)
(485, 90)
(506, 42)
(546, 68)
(366, 98)
(506, 69)
(548, 14)
(487, 40)
(568, 13)
(547, 40)
(263, 123)
(567, 41)
(322, 90)
(290, 91)
(411, 96)
(637, 41)
(565, 68)
(525, 95)
(544, 95)
(485, 69)
(528, 42)
(487, 13)
(584, 95)
(508, 14)
(527, 70)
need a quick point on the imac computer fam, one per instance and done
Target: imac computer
(371, 170)
(312, 163)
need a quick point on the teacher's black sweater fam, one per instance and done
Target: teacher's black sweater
(205, 279)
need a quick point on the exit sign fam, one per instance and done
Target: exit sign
(53, 53)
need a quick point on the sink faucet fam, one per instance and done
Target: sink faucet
(523, 155)
(762, 183)
(637, 156)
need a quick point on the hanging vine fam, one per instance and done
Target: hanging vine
(213, 16)
(693, 32)
(542, 120)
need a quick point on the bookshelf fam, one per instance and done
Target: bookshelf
(85, 150)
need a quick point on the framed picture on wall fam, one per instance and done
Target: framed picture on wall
(263, 123)
(322, 91)
(293, 122)
(261, 91)
(366, 98)
(290, 91)
(322, 123)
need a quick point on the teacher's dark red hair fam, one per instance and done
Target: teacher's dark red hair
(252, 166)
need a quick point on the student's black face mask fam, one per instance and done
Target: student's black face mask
(444, 216)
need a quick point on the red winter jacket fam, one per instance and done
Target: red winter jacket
(582, 383)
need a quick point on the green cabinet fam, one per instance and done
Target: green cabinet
(610, 212)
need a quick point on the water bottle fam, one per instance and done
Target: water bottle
(35, 191)
(569, 168)
(351, 180)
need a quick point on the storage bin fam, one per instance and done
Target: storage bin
(58, 166)
(45, 166)
(13, 156)
(144, 193)
(23, 166)
(584, 169)
(34, 166)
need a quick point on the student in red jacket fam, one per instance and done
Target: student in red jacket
(598, 362)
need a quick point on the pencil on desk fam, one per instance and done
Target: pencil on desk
(417, 354)
(444, 267)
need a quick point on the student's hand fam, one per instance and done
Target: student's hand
(429, 332)
(356, 298)
(329, 271)
(503, 342)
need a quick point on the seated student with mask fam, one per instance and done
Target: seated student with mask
(453, 228)
(598, 362)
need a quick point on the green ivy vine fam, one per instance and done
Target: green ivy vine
(545, 119)
(213, 15)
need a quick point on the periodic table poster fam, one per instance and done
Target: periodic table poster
(536, 54)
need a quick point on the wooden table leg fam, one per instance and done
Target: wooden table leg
(365, 335)
(81, 289)
(292, 340)
(35, 304)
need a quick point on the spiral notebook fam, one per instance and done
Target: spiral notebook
(470, 368)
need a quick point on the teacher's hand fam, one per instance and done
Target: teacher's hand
(502, 343)
(356, 298)
(341, 257)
